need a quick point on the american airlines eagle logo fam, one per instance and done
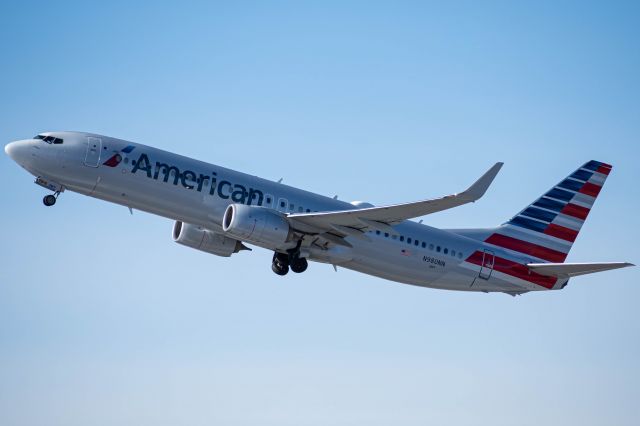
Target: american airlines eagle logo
(117, 157)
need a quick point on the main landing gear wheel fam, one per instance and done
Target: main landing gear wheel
(279, 269)
(299, 265)
(280, 264)
(283, 261)
(49, 200)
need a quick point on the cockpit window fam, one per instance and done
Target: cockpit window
(49, 139)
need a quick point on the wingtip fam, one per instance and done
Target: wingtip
(478, 189)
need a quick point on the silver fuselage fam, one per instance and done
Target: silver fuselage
(195, 192)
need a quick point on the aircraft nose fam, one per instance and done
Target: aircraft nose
(10, 148)
(18, 150)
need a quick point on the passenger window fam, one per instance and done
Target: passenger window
(401, 237)
(459, 255)
(300, 209)
(446, 251)
(282, 204)
(438, 249)
(409, 240)
(453, 253)
(424, 245)
(308, 210)
(386, 234)
(416, 242)
(377, 232)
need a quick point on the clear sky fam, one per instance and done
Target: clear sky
(104, 320)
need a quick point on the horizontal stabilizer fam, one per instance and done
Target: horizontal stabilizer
(574, 269)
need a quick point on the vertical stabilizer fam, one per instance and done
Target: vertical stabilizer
(547, 228)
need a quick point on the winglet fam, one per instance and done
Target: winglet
(477, 190)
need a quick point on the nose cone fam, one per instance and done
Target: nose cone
(8, 148)
(18, 151)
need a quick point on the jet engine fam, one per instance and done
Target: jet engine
(257, 224)
(204, 240)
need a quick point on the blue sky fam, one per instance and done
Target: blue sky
(104, 320)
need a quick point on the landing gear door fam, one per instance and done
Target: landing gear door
(94, 150)
(488, 260)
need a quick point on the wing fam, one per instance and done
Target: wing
(354, 222)
(565, 270)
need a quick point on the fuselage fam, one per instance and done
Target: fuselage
(195, 192)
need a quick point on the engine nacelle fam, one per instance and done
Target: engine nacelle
(257, 224)
(204, 240)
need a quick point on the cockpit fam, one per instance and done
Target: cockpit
(49, 139)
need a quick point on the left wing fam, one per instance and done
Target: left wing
(353, 222)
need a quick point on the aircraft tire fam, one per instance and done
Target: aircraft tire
(299, 265)
(279, 268)
(49, 200)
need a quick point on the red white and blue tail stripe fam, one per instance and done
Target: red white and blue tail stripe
(546, 229)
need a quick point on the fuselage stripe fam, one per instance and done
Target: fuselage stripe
(514, 269)
(526, 248)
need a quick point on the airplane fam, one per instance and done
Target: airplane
(219, 211)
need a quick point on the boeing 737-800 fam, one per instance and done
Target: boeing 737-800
(218, 211)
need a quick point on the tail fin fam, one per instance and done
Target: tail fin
(547, 228)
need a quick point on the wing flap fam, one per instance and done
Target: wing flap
(574, 269)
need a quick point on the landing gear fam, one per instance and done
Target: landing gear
(280, 264)
(299, 265)
(50, 199)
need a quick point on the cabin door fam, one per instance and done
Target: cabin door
(94, 150)
(488, 260)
